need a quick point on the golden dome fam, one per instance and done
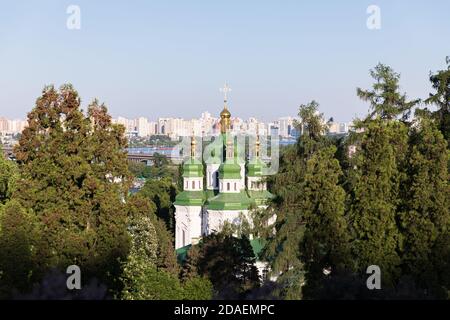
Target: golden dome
(225, 113)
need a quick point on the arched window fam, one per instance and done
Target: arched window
(193, 185)
(228, 186)
(216, 180)
(235, 187)
(199, 185)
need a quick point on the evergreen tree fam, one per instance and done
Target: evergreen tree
(425, 216)
(8, 177)
(18, 236)
(189, 269)
(74, 179)
(283, 246)
(385, 99)
(229, 263)
(166, 256)
(441, 98)
(198, 288)
(324, 247)
(375, 197)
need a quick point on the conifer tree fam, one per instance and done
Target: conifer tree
(18, 236)
(8, 177)
(283, 246)
(375, 198)
(425, 216)
(229, 263)
(325, 244)
(385, 99)
(441, 98)
(74, 178)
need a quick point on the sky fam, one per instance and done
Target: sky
(169, 58)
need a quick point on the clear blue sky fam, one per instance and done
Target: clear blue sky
(169, 58)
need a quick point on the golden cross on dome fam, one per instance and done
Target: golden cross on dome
(225, 91)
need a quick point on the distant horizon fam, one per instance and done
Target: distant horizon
(159, 59)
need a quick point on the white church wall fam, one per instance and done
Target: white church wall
(215, 219)
(231, 185)
(211, 176)
(188, 225)
(193, 184)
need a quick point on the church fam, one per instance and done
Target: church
(222, 187)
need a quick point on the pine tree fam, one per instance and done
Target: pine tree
(425, 216)
(325, 244)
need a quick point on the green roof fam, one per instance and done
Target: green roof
(229, 201)
(229, 170)
(182, 253)
(192, 168)
(190, 198)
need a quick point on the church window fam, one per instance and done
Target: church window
(228, 186)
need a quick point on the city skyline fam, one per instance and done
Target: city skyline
(275, 57)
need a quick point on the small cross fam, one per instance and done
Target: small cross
(225, 91)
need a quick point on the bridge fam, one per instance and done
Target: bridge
(148, 158)
(132, 156)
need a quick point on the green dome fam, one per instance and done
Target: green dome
(192, 168)
(255, 168)
(230, 170)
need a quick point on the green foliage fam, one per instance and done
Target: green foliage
(229, 263)
(198, 288)
(189, 268)
(140, 226)
(140, 170)
(375, 197)
(18, 238)
(425, 216)
(325, 244)
(385, 99)
(166, 256)
(283, 249)
(441, 98)
(74, 179)
(162, 192)
(143, 281)
(8, 177)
